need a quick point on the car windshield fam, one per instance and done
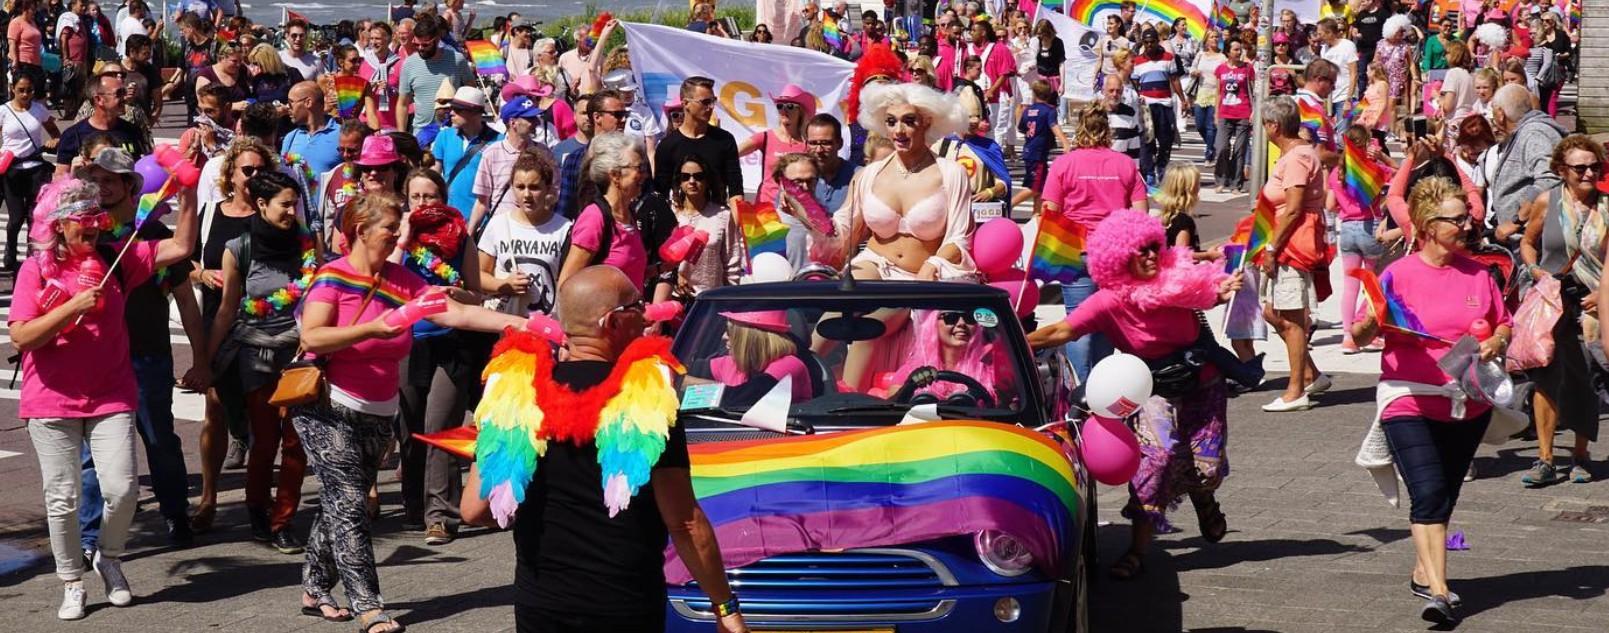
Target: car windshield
(866, 362)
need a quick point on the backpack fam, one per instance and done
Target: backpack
(605, 239)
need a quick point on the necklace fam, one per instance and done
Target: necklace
(425, 260)
(285, 298)
(899, 166)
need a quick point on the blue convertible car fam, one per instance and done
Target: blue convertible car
(911, 383)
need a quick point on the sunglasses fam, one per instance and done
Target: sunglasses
(689, 176)
(821, 143)
(1149, 249)
(910, 120)
(706, 101)
(364, 169)
(1461, 221)
(250, 170)
(101, 221)
(952, 318)
(787, 106)
(618, 114)
(1582, 169)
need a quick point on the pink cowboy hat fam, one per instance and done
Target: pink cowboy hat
(525, 85)
(769, 320)
(794, 94)
(378, 151)
(673, 105)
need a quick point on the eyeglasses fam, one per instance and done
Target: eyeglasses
(688, 176)
(952, 318)
(637, 167)
(1582, 169)
(1461, 221)
(910, 120)
(706, 101)
(100, 221)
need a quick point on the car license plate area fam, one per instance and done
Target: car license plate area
(988, 210)
(879, 630)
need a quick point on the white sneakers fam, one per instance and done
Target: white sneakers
(111, 571)
(72, 601)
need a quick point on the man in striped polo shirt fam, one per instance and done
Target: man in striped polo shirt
(1157, 75)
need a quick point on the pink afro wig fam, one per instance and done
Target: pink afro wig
(1181, 283)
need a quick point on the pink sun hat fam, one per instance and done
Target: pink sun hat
(769, 320)
(792, 93)
(379, 150)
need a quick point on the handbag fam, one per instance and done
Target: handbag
(302, 381)
(1532, 345)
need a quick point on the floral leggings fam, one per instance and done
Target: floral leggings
(1183, 446)
(344, 448)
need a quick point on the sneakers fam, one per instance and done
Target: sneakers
(1579, 473)
(1438, 610)
(1541, 474)
(72, 601)
(111, 571)
(1279, 405)
(1319, 385)
(236, 459)
(286, 542)
(438, 535)
(260, 530)
(179, 533)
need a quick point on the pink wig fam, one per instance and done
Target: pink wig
(1181, 283)
(63, 197)
(977, 361)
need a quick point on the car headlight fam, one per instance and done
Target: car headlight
(1002, 553)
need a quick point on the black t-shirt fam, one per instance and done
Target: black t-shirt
(1049, 59)
(717, 147)
(569, 556)
(1369, 25)
(146, 309)
(127, 135)
(210, 247)
(1181, 223)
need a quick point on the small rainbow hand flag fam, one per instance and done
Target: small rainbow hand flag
(1316, 121)
(151, 206)
(1058, 253)
(1262, 228)
(831, 32)
(1222, 16)
(1389, 310)
(763, 229)
(349, 96)
(1363, 178)
(488, 60)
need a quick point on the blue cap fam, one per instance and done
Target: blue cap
(521, 107)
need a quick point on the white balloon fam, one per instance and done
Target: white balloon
(767, 267)
(1118, 386)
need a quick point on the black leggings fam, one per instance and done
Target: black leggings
(22, 190)
(1432, 458)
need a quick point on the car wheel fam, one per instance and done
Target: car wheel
(1085, 571)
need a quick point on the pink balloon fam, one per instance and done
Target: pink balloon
(1110, 450)
(1024, 292)
(996, 246)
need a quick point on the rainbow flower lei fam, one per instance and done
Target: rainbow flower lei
(286, 298)
(428, 261)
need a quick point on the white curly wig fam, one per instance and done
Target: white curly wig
(1394, 25)
(1491, 34)
(944, 110)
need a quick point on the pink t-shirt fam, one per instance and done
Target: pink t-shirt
(1088, 184)
(391, 69)
(997, 62)
(1234, 91)
(85, 372)
(772, 147)
(1348, 209)
(29, 41)
(1447, 300)
(1151, 335)
(725, 370)
(626, 250)
(1298, 167)
(368, 370)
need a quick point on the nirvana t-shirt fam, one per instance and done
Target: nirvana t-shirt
(533, 250)
(569, 555)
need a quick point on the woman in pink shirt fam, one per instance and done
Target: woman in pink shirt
(346, 434)
(794, 109)
(25, 46)
(1147, 306)
(1359, 246)
(1086, 184)
(65, 320)
(1432, 437)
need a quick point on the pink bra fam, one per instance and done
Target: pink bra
(925, 220)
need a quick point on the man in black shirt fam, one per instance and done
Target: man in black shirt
(107, 118)
(696, 136)
(1369, 22)
(576, 568)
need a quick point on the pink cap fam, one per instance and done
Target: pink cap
(768, 320)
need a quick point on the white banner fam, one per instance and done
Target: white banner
(745, 74)
(1307, 11)
(1078, 72)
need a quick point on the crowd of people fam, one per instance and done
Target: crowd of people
(556, 190)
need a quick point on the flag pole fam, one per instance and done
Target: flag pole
(1028, 266)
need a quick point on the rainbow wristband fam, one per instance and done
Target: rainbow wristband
(724, 609)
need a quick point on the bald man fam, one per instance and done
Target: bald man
(613, 576)
(317, 137)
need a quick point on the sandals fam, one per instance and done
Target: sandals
(201, 521)
(1130, 566)
(367, 623)
(1214, 525)
(326, 602)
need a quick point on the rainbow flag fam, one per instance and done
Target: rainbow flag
(830, 32)
(150, 204)
(1058, 253)
(1222, 15)
(1362, 178)
(488, 60)
(1316, 121)
(1389, 310)
(885, 486)
(1089, 12)
(459, 441)
(1262, 228)
(763, 229)
(1354, 113)
(597, 29)
(349, 96)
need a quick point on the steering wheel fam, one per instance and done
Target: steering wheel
(927, 375)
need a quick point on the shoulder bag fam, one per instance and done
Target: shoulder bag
(302, 381)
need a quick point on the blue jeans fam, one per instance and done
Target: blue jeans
(1207, 125)
(1083, 353)
(163, 451)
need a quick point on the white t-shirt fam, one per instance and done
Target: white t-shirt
(23, 133)
(309, 64)
(533, 250)
(642, 123)
(1344, 54)
(129, 26)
